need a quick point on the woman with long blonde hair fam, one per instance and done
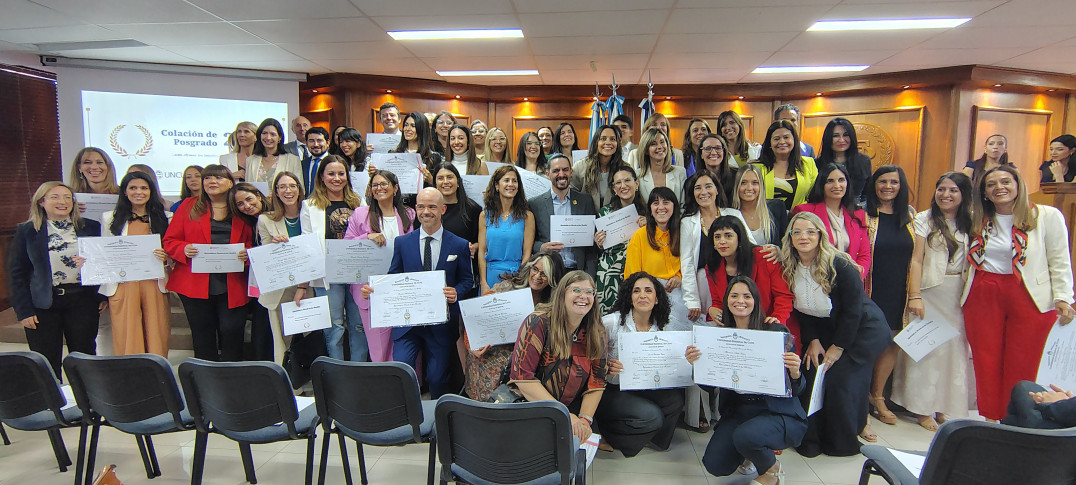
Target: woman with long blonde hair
(240, 146)
(92, 172)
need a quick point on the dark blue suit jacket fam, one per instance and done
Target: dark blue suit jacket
(29, 269)
(407, 259)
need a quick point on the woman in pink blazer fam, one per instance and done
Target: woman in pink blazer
(846, 224)
(383, 219)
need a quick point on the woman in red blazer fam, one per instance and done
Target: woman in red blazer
(734, 255)
(214, 302)
(846, 224)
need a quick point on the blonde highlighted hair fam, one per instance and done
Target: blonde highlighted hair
(79, 182)
(506, 157)
(38, 216)
(763, 213)
(559, 340)
(643, 150)
(821, 269)
(1025, 214)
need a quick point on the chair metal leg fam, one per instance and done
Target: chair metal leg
(3, 434)
(58, 448)
(433, 458)
(152, 456)
(310, 458)
(248, 462)
(82, 437)
(145, 455)
(198, 464)
(344, 460)
(580, 467)
(362, 463)
(324, 457)
(91, 456)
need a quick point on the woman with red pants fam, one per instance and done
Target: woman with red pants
(1020, 283)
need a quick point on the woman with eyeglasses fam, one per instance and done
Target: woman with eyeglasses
(713, 155)
(732, 129)
(268, 155)
(697, 128)
(497, 147)
(529, 156)
(591, 174)
(842, 330)
(506, 228)
(623, 184)
(441, 126)
(279, 225)
(215, 303)
(486, 366)
(631, 419)
(240, 148)
(45, 285)
(560, 353)
(478, 132)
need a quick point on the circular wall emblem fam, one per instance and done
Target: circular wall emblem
(876, 143)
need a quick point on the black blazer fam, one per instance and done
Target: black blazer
(29, 268)
(779, 216)
(855, 324)
(582, 204)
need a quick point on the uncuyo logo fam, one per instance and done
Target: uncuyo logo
(113, 141)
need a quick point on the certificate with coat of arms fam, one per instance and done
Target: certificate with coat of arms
(747, 361)
(495, 319)
(408, 299)
(280, 265)
(355, 260)
(654, 360)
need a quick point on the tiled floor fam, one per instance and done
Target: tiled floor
(29, 459)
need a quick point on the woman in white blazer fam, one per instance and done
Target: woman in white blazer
(269, 158)
(1020, 283)
(277, 226)
(240, 147)
(139, 309)
(655, 165)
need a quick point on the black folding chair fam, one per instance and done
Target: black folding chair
(249, 402)
(31, 400)
(136, 394)
(977, 452)
(500, 444)
(374, 403)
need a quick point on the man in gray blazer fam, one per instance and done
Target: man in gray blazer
(297, 146)
(563, 200)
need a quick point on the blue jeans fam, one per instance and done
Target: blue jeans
(341, 306)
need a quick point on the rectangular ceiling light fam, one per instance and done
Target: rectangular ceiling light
(799, 69)
(457, 34)
(530, 72)
(886, 24)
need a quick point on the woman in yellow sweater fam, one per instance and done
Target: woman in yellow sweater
(655, 249)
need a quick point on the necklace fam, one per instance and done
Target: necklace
(288, 221)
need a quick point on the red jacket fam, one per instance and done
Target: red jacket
(774, 295)
(859, 243)
(183, 231)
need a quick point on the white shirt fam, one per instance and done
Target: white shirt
(390, 228)
(435, 245)
(460, 162)
(999, 246)
(808, 296)
(613, 329)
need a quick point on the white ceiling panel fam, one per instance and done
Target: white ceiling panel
(557, 6)
(481, 63)
(895, 10)
(1026, 13)
(145, 11)
(620, 61)
(222, 53)
(827, 58)
(447, 22)
(134, 54)
(950, 57)
(725, 42)
(778, 78)
(278, 9)
(593, 24)
(999, 37)
(615, 44)
(821, 5)
(293, 66)
(684, 76)
(369, 65)
(381, 8)
(23, 14)
(586, 76)
(347, 50)
(837, 41)
(210, 33)
(748, 19)
(315, 30)
(724, 60)
(466, 47)
(71, 33)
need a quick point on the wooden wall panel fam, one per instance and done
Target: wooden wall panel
(1026, 134)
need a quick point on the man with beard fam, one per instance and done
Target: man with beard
(562, 200)
(317, 143)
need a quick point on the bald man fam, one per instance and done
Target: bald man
(431, 248)
(297, 146)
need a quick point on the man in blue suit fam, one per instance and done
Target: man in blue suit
(427, 249)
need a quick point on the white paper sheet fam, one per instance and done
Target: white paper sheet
(619, 225)
(654, 360)
(96, 204)
(914, 463)
(495, 319)
(818, 391)
(405, 166)
(116, 259)
(217, 258)
(744, 360)
(382, 142)
(284, 264)
(573, 231)
(475, 185)
(355, 260)
(408, 299)
(922, 336)
(1058, 364)
(311, 314)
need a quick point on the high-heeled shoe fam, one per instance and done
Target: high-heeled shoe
(746, 468)
(779, 475)
(881, 411)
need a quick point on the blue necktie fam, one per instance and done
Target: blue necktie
(427, 255)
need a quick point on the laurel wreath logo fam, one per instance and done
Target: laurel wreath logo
(121, 151)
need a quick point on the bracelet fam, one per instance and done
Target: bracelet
(588, 419)
(910, 298)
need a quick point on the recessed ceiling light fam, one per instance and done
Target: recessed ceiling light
(530, 72)
(739, 97)
(906, 86)
(457, 34)
(886, 24)
(457, 96)
(1051, 90)
(314, 90)
(798, 69)
(388, 91)
(524, 99)
(817, 94)
(668, 97)
(997, 85)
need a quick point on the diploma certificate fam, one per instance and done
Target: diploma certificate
(359, 182)
(263, 187)
(408, 299)
(619, 225)
(217, 258)
(654, 360)
(404, 165)
(382, 142)
(1058, 364)
(313, 314)
(534, 184)
(475, 185)
(355, 260)
(578, 155)
(280, 265)
(922, 336)
(572, 231)
(96, 204)
(744, 360)
(818, 390)
(495, 319)
(116, 259)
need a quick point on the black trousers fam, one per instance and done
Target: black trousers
(261, 336)
(73, 317)
(217, 330)
(1024, 413)
(834, 429)
(628, 420)
(749, 431)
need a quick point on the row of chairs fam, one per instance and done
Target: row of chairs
(252, 403)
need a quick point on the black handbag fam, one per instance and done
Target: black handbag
(300, 356)
(504, 392)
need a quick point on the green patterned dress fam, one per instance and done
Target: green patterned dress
(610, 270)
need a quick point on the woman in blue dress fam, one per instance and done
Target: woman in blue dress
(506, 230)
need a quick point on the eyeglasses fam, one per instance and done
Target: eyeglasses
(382, 185)
(534, 143)
(287, 187)
(583, 291)
(444, 123)
(538, 273)
(808, 232)
(715, 148)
